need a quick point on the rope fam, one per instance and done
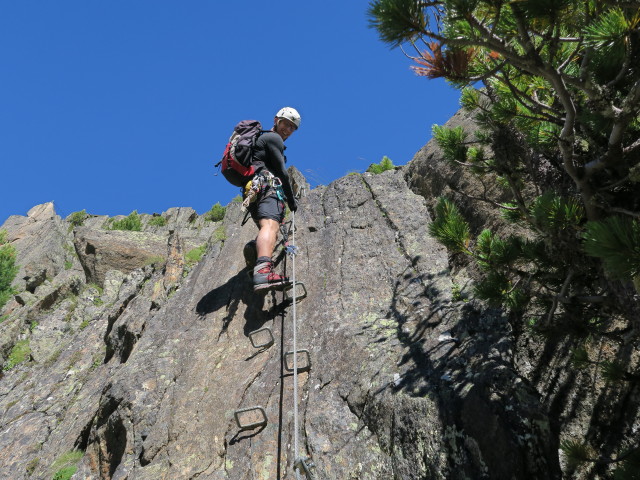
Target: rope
(299, 463)
(295, 350)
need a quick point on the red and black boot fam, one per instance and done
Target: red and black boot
(264, 278)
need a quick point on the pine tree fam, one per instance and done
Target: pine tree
(559, 115)
(560, 87)
(557, 71)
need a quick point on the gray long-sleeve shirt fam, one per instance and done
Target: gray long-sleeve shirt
(268, 153)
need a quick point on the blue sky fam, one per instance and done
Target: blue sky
(114, 106)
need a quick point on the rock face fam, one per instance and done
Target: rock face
(432, 177)
(144, 374)
(43, 244)
(118, 367)
(102, 250)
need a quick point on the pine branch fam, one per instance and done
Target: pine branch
(635, 146)
(626, 212)
(486, 200)
(493, 42)
(489, 74)
(582, 299)
(620, 458)
(613, 185)
(570, 58)
(531, 103)
(524, 38)
(622, 74)
(563, 291)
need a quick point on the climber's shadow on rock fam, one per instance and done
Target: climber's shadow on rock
(237, 289)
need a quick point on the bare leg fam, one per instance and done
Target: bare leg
(264, 278)
(267, 236)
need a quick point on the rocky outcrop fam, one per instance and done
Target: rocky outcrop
(103, 250)
(43, 243)
(430, 176)
(405, 382)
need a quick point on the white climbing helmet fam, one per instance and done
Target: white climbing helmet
(290, 114)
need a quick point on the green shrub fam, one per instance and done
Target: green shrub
(5, 296)
(384, 165)
(65, 473)
(31, 466)
(97, 289)
(615, 240)
(66, 465)
(449, 226)
(20, 352)
(220, 235)
(156, 259)
(216, 213)
(131, 223)
(8, 268)
(158, 221)
(195, 255)
(76, 219)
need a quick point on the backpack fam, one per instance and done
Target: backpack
(238, 155)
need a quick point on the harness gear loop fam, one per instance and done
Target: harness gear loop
(258, 184)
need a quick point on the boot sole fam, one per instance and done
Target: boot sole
(271, 286)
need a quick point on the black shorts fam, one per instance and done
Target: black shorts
(267, 206)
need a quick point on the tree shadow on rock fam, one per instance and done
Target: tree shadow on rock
(459, 355)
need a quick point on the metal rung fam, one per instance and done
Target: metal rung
(255, 338)
(251, 424)
(306, 465)
(299, 295)
(306, 366)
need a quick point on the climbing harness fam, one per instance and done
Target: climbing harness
(258, 184)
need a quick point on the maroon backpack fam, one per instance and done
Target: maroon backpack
(237, 160)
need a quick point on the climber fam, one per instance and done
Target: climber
(266, 195)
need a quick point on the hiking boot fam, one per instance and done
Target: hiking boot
(264, 278)
(250, 254)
